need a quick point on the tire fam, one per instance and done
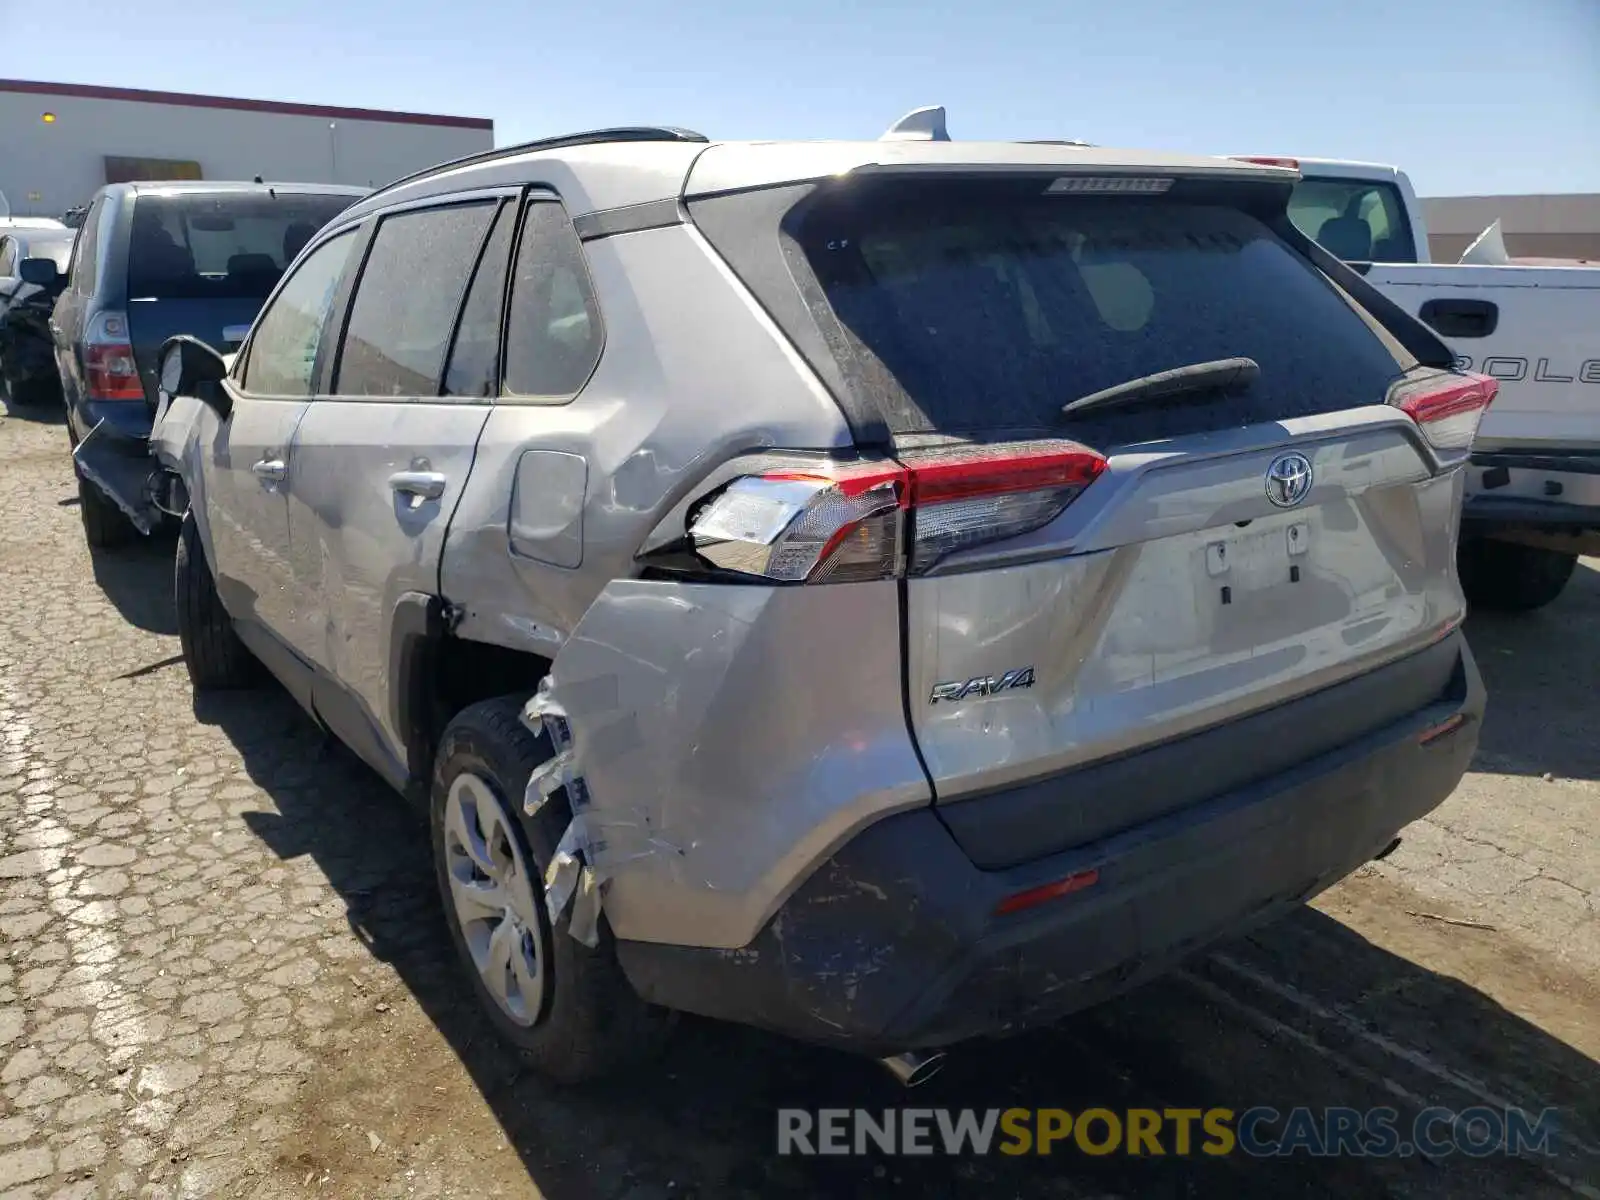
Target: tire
(1505, 577)
(27, 393)
(105, 526)
(585, 1020)
(217, 660)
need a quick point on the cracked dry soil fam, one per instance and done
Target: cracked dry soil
(223, 973)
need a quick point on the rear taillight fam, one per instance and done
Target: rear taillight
(1447, 408)
(108, 367)
(836, 523)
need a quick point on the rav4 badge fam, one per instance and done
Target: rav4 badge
(983, 685)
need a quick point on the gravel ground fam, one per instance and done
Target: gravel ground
(223, 970)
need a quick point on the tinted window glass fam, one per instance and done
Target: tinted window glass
(87, 249)
(477, 345)
(553, 333)
(221, 245)
(992, 307)
(405, 305)
(283, 348)
(1353, 220)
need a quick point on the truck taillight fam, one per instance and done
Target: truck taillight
(1447, 408)
(109, 370)
(837, 523)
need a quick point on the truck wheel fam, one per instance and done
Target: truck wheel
(105, 526)
(212, 651)
(568, 1010)
(1507, 577)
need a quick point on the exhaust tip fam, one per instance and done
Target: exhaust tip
(915, 1067)
(1386, 851)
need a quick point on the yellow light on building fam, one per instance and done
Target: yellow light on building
(49, 118)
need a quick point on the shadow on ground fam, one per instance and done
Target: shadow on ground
(1237, 1029)
(137, 579)
(45, 411)
(1540, 669)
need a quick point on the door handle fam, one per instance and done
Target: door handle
(419, 485)
(1453, 317)
(271, 470)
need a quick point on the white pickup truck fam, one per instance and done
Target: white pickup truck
(1533, 491)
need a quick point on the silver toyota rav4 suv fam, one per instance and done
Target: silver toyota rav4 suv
(888, 593)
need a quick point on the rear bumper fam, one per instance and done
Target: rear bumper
(894, 942)
(1539, 491)
(122, 467)
(129, 418)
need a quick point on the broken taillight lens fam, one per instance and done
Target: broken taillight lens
(837, 523)
(1447, 408)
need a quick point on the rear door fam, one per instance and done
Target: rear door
(1234, 548)
(203, 263)
(66, 321)
(379, 464)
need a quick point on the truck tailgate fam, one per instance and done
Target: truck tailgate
(1535, 329)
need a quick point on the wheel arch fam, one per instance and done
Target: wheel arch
(434, 674)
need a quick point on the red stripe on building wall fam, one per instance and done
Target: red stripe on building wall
(186, 100)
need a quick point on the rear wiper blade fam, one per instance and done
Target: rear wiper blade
(1224, 373)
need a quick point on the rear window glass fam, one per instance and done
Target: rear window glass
(233, 246)
(1354, 220)
(57, 250)
(992, 309)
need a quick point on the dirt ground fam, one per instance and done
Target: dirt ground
(223, 970)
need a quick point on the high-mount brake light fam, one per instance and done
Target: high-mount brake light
(836, 523)
(1106, 185)
(1447, 408)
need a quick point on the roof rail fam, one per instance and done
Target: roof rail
(621, 133)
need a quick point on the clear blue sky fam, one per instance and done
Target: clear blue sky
(1470, 96)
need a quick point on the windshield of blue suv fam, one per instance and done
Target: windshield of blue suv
(221, 245)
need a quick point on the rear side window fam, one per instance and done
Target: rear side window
(1353, 219)
(476, 352)
(553, 334)
(86, 263)
(406, 302)
(187, 246)
(992, 308)
(284, 343)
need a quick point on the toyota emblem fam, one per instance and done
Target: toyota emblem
(1288, 480)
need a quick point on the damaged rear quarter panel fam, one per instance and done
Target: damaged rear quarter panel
(729, 739)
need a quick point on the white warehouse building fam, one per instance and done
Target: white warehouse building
(60, 142)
